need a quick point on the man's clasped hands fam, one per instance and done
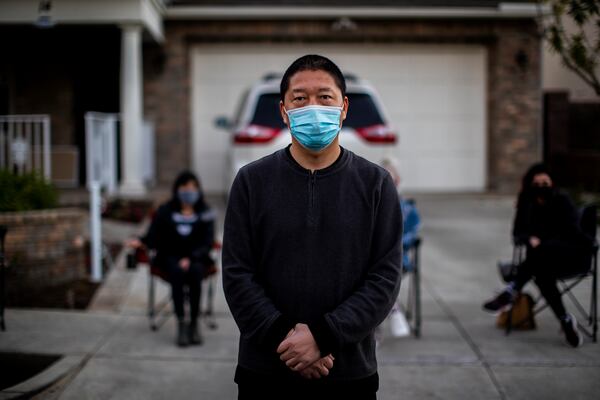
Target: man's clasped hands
(300, 353)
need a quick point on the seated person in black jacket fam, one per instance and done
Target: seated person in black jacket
(182, 233)
(546, 223)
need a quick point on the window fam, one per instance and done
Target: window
(267, 111)
(362, 111)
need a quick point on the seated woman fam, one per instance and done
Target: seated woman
(182, 233)
(546, 223)
(410, 234)
(411, 219)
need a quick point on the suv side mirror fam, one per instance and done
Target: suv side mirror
(222, 122)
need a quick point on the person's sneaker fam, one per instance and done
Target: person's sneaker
(194, 335)
(182, 339)
(572, 335)
(499, 303)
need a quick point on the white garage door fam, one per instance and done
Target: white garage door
(434, 96)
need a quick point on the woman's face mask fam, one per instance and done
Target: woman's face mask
(315, 127)
(541, 186)
(189, 197)
(542, 192)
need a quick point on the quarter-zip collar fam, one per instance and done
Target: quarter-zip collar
(337, 165)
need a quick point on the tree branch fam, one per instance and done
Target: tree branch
(585, 65)
(590, 80)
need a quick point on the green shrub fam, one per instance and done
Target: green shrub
(26, 192)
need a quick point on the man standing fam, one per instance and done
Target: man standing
(312, 252)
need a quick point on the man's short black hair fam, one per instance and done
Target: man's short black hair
(312, 62)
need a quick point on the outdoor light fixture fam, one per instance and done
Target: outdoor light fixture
(522, 60)
(344, 24)
(44, 20)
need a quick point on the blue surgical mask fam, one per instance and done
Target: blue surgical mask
(315, 127)
(188, 196)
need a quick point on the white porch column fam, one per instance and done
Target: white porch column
(131, 111)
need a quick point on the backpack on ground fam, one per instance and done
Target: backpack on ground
(520, 315)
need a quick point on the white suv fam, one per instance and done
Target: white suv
(258, 129)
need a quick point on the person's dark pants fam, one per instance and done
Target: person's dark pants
(290, 386)
(178, 278)
(312, 392)
(550, 261)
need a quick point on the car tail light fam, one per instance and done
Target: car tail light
(256, 134)
(377, 134)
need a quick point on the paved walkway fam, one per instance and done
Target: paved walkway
(113, 354)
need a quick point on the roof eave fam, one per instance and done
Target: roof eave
(504, 10)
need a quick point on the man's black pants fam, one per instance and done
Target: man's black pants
(254, 392)
(278, 388)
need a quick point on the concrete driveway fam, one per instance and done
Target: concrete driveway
(461, 354)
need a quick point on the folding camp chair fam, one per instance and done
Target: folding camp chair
(158, 311)
(588, 224)
(412, 306)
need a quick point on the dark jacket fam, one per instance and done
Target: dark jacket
(163, 236)
(320, 248)
(557, 219)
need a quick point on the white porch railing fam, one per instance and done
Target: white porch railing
(101, 154)
(101, 149)
(101, 159)
(25, 144)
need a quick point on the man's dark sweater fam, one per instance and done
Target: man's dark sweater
(320, 248)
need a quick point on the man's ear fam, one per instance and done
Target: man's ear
(283, 113)
(345, 106)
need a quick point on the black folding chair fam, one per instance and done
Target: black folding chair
(412, 278)
(588, 224)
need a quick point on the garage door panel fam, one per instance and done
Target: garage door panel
(447, 174)
(443, 101)
(434, 137)
(434, 97)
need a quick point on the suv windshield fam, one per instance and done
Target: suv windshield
(362, 112)
(267, 111)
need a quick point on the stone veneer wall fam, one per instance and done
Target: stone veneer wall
(514, 90)
(41, 248)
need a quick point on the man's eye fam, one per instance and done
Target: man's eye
(299, 98)
(326, 97)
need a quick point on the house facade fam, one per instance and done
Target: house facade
(461, 81)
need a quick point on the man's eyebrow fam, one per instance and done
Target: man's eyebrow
(323, 89)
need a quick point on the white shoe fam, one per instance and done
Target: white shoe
(398, 324)
(573, 337)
